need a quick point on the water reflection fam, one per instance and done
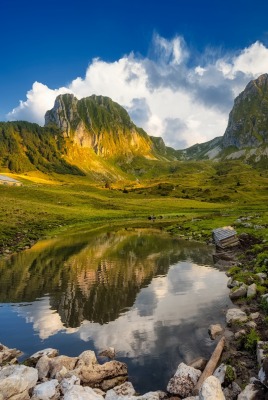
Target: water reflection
(142, 292)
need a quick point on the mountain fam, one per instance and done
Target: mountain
(93, 136)
(246, 135)
(26, 147)
(98, 123)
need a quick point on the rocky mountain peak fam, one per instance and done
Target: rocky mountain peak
(248, 120)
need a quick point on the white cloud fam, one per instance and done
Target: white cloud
(168, 92)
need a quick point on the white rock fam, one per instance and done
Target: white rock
(87, 358)
(262, 351)
(184, 380)
(252, 290)
(67, 383)
(235, 315)
(46, 390)
(16, 379)
(254, 315)
(251, 324)
(263, 372)
(49, 352)
(211, 390)
(124, 390)
(42, 366)
(81, 393)
(238, 292)
(249, 393)
(220, 372)
(215, 330)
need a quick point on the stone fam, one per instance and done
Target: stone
(255, 315)
(46, 390)
(16, 380)
(262, 276)
(49, 352)
(126, 389)
(230, 283)
(67, 383)
(265, 297)
(232, 391)
(78, 392)
(211, 389)
(263, 372)
(57, 363)
(215, 330)
(107, 384)
(220, 372)
(235, 315)
(252, 290)
(109, 352)
(42, 366)
(253, 391)
(199, 363)
(251, 325)
(238, 292)
(240, 334)
(95, 374)
(262, 351)
(184, 380)
(87, 358)
(7, 354)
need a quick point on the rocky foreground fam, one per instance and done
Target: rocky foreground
(237, 369)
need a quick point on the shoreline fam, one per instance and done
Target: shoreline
(243, 336)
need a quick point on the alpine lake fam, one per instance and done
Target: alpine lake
(149, 295)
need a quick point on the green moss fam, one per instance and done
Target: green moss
(251, 340)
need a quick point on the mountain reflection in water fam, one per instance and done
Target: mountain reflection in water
(143, 292)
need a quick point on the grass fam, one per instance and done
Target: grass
(187, 198)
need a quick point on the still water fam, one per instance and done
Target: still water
(149, 295)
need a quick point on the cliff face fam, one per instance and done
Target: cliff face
(248, 120)
(98, 123)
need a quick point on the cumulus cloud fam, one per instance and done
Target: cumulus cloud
(169, 93)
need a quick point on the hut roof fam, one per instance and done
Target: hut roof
(223, 233)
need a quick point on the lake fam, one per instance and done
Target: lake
(148, 294)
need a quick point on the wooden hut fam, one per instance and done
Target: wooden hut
(225, 237)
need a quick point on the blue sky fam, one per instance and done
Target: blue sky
(194, 55)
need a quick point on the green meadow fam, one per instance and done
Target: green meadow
(188, 199)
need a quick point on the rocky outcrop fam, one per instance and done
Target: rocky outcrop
(248, 120)
(184, 380)
(98, 123)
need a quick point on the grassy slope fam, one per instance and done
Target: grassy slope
(214, 194)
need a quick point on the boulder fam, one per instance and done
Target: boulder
(262, 276)
(211, 390)
(97, 375)
(252, 290)
(56, 365)
(87, 358)
(262, 351)
(235, 315)
(124, 390)
(78, 392)
(238, 292)
(67, 383)
(220, 372)
(263, 372)
(49, 352)
(184, 380)
(253, 391)
(215, 330)
(251, 325)
(232, 391)
(46, 390)
(7, 354)
(199, 363)
(42, 366)
(254, 315)
(17, 380)
(109, 352)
